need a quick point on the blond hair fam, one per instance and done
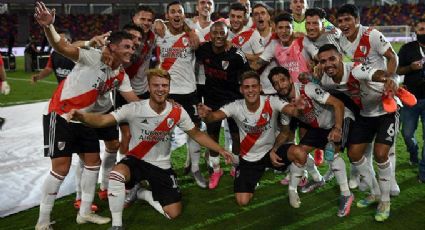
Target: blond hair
(157, 72)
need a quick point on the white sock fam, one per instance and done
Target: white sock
(215, 163)
(108, 162)
(227, 137)
(384, 174)
(338, 167)
(116, 197)
(194, 150)
(146, 195)
(88, 187)
(49, 191)
(78, 173)
(393, 159)
(312, 169)
(364, 170)
(296, 173)
(369, 155)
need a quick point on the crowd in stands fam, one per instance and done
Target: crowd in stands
(8, 28)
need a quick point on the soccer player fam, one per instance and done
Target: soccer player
(222, 70)
(151, 122)
(324, 114)
(178, 58)
(256, 118)
(369, 47)
(372, 124)
(85, 88)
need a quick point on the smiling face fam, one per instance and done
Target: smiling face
(137, 38)
(284, 31)
(237, 18)
(122, 51)
(144, 19)
(159, 88)
(282, 84)
(205, 7)
(218, 35)
(331, 62)
(261, 18)
(251, 88)
(175, 16)
(313, 26)
(348, 25)
(298, 7)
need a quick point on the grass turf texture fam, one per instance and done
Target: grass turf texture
(205, 209)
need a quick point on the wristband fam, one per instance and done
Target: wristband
(87, 44)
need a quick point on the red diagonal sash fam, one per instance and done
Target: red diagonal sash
(169, 61)
(251, 138)
(242, 38)
(145, 146)
(310, 118)
(364, 43)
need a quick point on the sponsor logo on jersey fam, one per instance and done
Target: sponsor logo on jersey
(225, 64)
(145, 121)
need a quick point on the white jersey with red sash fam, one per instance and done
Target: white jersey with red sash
(316, 113)
(88, 85)
(257, 130)
(151, 132)
(137, 70)
(249, 41)
(204, 36)
(264, 72)
(178, 58)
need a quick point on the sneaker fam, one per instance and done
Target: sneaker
(329, 175)
(318, 157)
(2, 121)
(92, 218)
(406, 97)
(233, 171)
(131, 196)
(345, 205)
(199, 179)
(77, 204)
(312, 185)
(395, 189)
(294, 199)
(389, 103)
(368, 201)
(214, 179)
(383, 211)
(303, 181)
(353, 183)
(47, 226)
(103, 194)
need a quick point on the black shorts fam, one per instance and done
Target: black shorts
(108, 133)
(62, 139)
(248, 174)
(200, 91)
(381, 128)
(189, 103)
(163, 182)
(120, 101)
(213, 128)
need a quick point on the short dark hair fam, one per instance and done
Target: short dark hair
(285, 16)
(278, 70)
(218, 23)
(132, 26)
(348, 9)
(117, 36)
(327, 47)
(237, 7)
(173, 3)
(144, 8)
(260, 4)
(250, 74)
(316, 11)
(66, 32)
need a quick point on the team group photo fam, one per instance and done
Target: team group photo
(292, 114)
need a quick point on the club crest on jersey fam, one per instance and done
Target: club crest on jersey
(61, 145)
(363, 49)
(170, 122)
(225, 64)
(266, 116)
(241, 40)
(185, 41)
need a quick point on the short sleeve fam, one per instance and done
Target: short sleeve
(255, 43)
(125, 85)
(89, 56)
(269, 51)
(229, 109)
(361, 72)
(123, 113)
(277, 103)
(316, 93)
(185, 122)
(379, 42)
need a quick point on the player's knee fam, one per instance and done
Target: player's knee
(122, 169)
(299, 155)
(172, 211)
(242, 200)
(112, 146)
(381, 157)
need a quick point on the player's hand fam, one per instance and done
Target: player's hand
(74, 115)
(4, 88)
(203, 110)
(416, 65)
(228, 157)
(43, 15)
(34, 78)
(194, 40)
(390, 86)
(317, 71)
(275, 159)
(159, 28)
(100, 40)
(335, 135)
(300, 102)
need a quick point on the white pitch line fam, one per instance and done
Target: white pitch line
(42, 81)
